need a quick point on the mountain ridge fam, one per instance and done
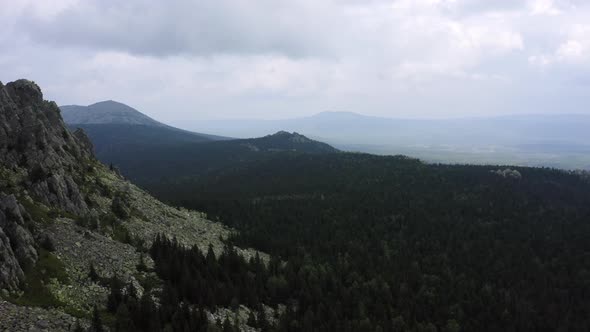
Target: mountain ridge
(68, 223)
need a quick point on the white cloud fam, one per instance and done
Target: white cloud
(544, 7)
(179, 59)
(574, 50)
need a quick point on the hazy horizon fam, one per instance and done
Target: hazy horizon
(179, 61)
(182, 122)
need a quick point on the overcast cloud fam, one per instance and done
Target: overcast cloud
(181, 61)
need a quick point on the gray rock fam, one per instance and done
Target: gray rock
(17, 245)
(84, 140)
(42, 324)
(34, 137)
(11, 273)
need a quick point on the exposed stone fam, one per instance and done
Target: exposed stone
(34, 137)
(84, 140)
(11, 273)
(17, 245)
(15, 318)
(508, 173)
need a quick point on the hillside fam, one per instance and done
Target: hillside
(74, 234)
(394, 244)
(145, 164)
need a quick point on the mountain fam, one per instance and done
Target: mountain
(145, 165)
(116, 128)
(355, 242)
(106, 112)
(74, 234)
(529, 140)
(144, 149)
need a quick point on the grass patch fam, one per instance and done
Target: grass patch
(36, 291)
(148, 281)
(77, 312)
(38, 212)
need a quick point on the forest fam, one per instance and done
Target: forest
(368, 243)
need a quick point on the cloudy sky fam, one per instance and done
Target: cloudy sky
(181, 61)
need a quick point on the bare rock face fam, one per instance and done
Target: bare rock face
(84, 140)
(35, 142)
(11, 274)
(34, 137)
(17, 245)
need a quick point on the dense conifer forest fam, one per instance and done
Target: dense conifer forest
(368, 243)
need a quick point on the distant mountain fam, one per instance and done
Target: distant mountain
(173, 163)
(106, 112)
(535, 140)
(116, 128)
(145, 149)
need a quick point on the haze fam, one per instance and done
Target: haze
(186, 61)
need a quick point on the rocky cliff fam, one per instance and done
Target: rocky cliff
(62, 211)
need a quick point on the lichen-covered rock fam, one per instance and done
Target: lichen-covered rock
(84, 140)
(11, 274)
(33, 137)
(15, 318)
(17, 245)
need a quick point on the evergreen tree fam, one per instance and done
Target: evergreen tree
(93, 275)
(96, 321)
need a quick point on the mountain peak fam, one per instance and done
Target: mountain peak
(111, 102)
(106, 112)
(294, 137)
(286, 141)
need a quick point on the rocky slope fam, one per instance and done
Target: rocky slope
(62, 211)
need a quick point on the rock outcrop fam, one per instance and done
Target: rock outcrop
(508, 173)
(38, 156)
(18, 243)
(34, 138)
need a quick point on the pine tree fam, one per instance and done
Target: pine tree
(93, 275)
(96, 321)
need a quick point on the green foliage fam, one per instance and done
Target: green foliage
(38, 212)
(120, 206)
(93, 275)
(393, 243)
(96, 325)
(141, 314)
(37, 293)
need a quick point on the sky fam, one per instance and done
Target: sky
(182, 61)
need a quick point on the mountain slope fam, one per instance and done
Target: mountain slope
(116, 128)
(68, 224)
(118, 117)
(146, 150)
(179, 161)
(106, 112)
